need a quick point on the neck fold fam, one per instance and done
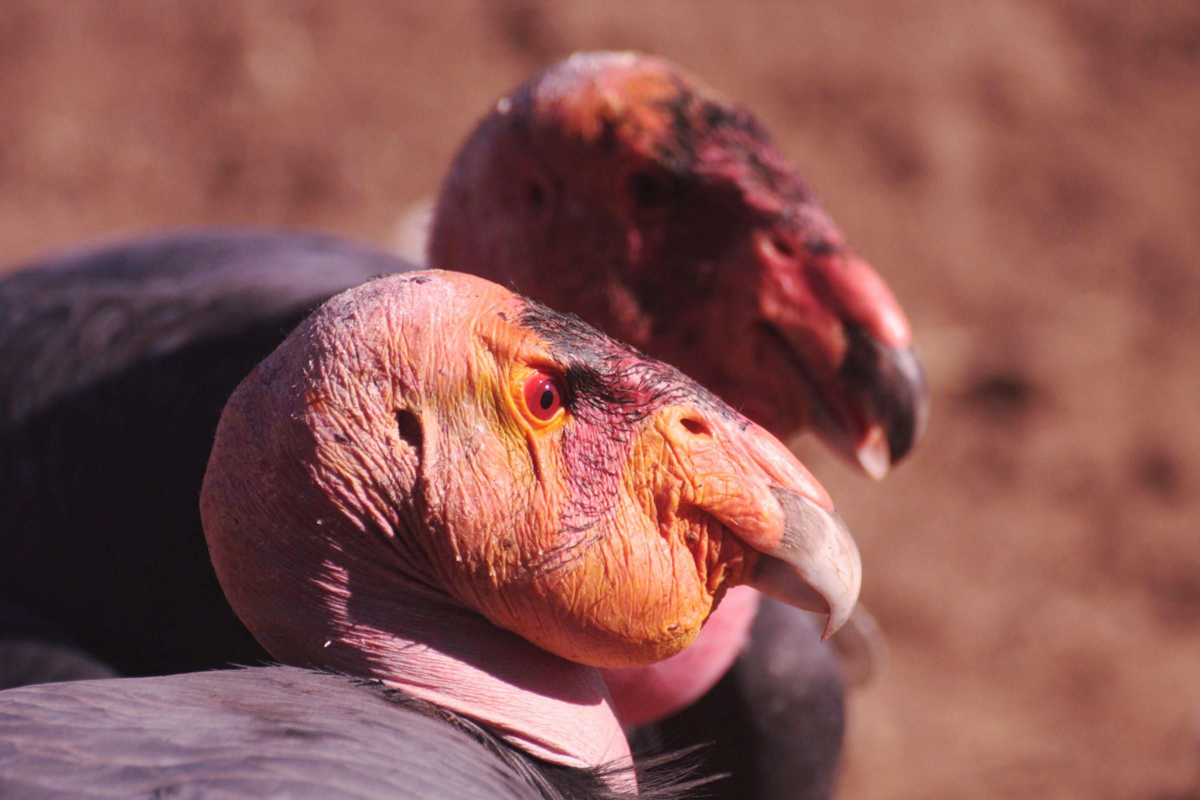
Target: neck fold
(434, 649)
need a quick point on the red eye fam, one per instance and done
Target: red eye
(543, 396)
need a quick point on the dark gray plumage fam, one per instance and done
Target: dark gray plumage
(253, 733)
(114, 366)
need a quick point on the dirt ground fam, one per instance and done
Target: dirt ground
(1027, 177)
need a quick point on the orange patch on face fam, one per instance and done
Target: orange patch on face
(718, 555)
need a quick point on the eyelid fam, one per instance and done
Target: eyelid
(524, 376)
(544, 396)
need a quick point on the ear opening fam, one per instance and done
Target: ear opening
(409, 427)
(409, 455)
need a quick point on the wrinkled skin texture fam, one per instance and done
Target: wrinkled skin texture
(620, 188)
(384, 462)
(139, 626)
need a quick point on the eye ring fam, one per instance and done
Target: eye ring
(544, 396)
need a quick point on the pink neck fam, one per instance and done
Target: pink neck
(643, 695)
(438, 651)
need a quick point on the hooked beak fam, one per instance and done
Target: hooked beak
(816, 548)
(873, 410)
(870, 405)
(883, 407)
(749, 481)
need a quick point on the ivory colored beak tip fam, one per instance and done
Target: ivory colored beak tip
(815, 565)
(874, 455)
(850, 570)
(837, 618)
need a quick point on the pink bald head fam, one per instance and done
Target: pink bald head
(620, 188)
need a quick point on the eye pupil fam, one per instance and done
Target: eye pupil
(543, 396)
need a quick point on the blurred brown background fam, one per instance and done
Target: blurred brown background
(1027, 177)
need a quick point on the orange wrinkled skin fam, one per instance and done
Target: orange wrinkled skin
(394, 418)
(631, 590)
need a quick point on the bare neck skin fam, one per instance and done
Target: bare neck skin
(411, 637)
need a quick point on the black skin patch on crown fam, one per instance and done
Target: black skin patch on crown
(822, 247)
(607, 141)
(716, 115)
(678, 150)
(696, 121)
(608, 376)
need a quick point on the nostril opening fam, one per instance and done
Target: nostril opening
(783, 247)
(695, 427)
